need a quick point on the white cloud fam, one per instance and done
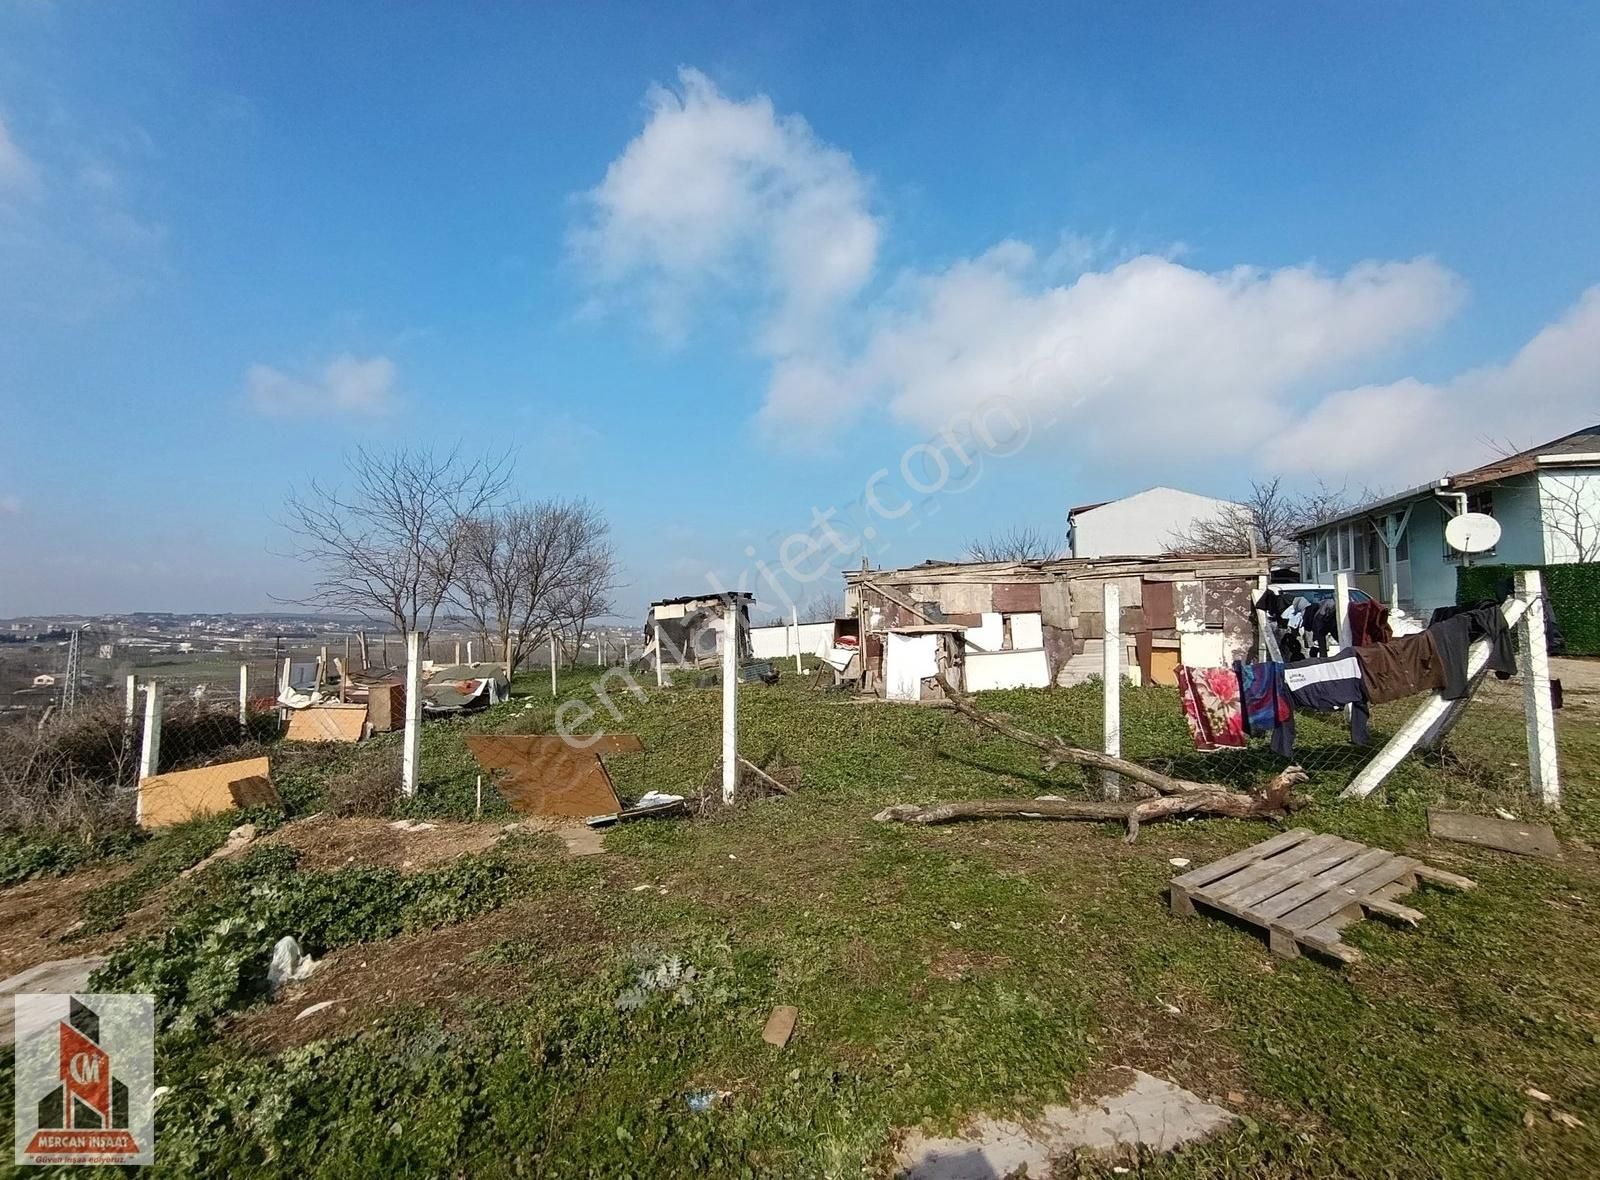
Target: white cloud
(719, 204)
(18, 174)
(717, 197)
(347, 386)
(10, 505)
(1409, 430)
(1149, 356)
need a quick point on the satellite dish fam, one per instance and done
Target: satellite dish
(1472, 532)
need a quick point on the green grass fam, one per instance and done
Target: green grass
(939, 972)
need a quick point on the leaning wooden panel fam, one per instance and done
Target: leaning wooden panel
(166, 799)
(542, 774)
(1303, 890)
(327, 723)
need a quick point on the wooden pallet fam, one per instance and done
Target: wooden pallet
(1303, 889)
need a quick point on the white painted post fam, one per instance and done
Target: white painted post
(322, 669)
(730, 699)
(283, 687)
(552, 665)
(1544, 772)
(469, 651)
(794, 617)
(130, 701)
(244, 695)
(480, 796)
(599, 648)
(659, 681)
(1341, 608)
(150, 751)
(411, 752)
(1111, 670)
(1428, 722)
(458, 652)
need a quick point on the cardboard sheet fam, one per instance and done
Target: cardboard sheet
(166, 799)
(541, 774)
(327, 723)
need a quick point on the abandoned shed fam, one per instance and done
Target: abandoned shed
(1036, 623)
(688, 631)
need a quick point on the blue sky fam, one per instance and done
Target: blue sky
(713, 267)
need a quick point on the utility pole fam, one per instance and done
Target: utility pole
(69, 691)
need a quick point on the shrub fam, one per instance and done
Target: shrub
(1573, 588)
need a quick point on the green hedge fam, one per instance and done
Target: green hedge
(1574, 592)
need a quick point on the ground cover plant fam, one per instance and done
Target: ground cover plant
(523, 1012)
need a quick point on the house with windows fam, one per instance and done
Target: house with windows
(1546, 500)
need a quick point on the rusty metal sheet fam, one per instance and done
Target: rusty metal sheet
(1157, 604)
(1012, 598)
(541, 774)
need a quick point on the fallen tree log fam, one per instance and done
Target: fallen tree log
(1174, 796)
(1273, 803)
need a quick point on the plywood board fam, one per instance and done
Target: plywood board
(1014, 597)
(1164, 666)
(327, 723)
(1507, 835)
(543, 774)
(166, 799)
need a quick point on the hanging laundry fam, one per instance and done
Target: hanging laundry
(1267, 706)
(1328, 684)
(1369, 623)
(1400, 668)
(1454, 635)
(1210, 699)
(1321, 623)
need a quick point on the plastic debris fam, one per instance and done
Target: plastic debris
(289, 963)
(703, 1100)
(1179, 862)
(315, 1008)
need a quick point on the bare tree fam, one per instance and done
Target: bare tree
(389, 547)
(823, 608)
(590, 595)
(1015, 544)
(1264, 522)
(524, 568)
(1572, 514)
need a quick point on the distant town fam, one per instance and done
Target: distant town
(200, 654)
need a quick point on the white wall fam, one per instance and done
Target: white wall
(1569, 503)
(1007, 669)
(1142, 524)
(771, 643)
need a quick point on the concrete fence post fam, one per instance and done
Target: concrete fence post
(244, 695)
(730, 699)
(794, 618)
(130, 701)
(552, 665)
(150, 749)
(1111, 671)
(1341, 608)
(1544, 772)
(411, 752)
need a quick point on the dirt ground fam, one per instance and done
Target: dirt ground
(36, 914)
(325, 843)
(437, 969)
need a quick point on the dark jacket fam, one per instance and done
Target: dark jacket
(1453, 636)
(1400, 668)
